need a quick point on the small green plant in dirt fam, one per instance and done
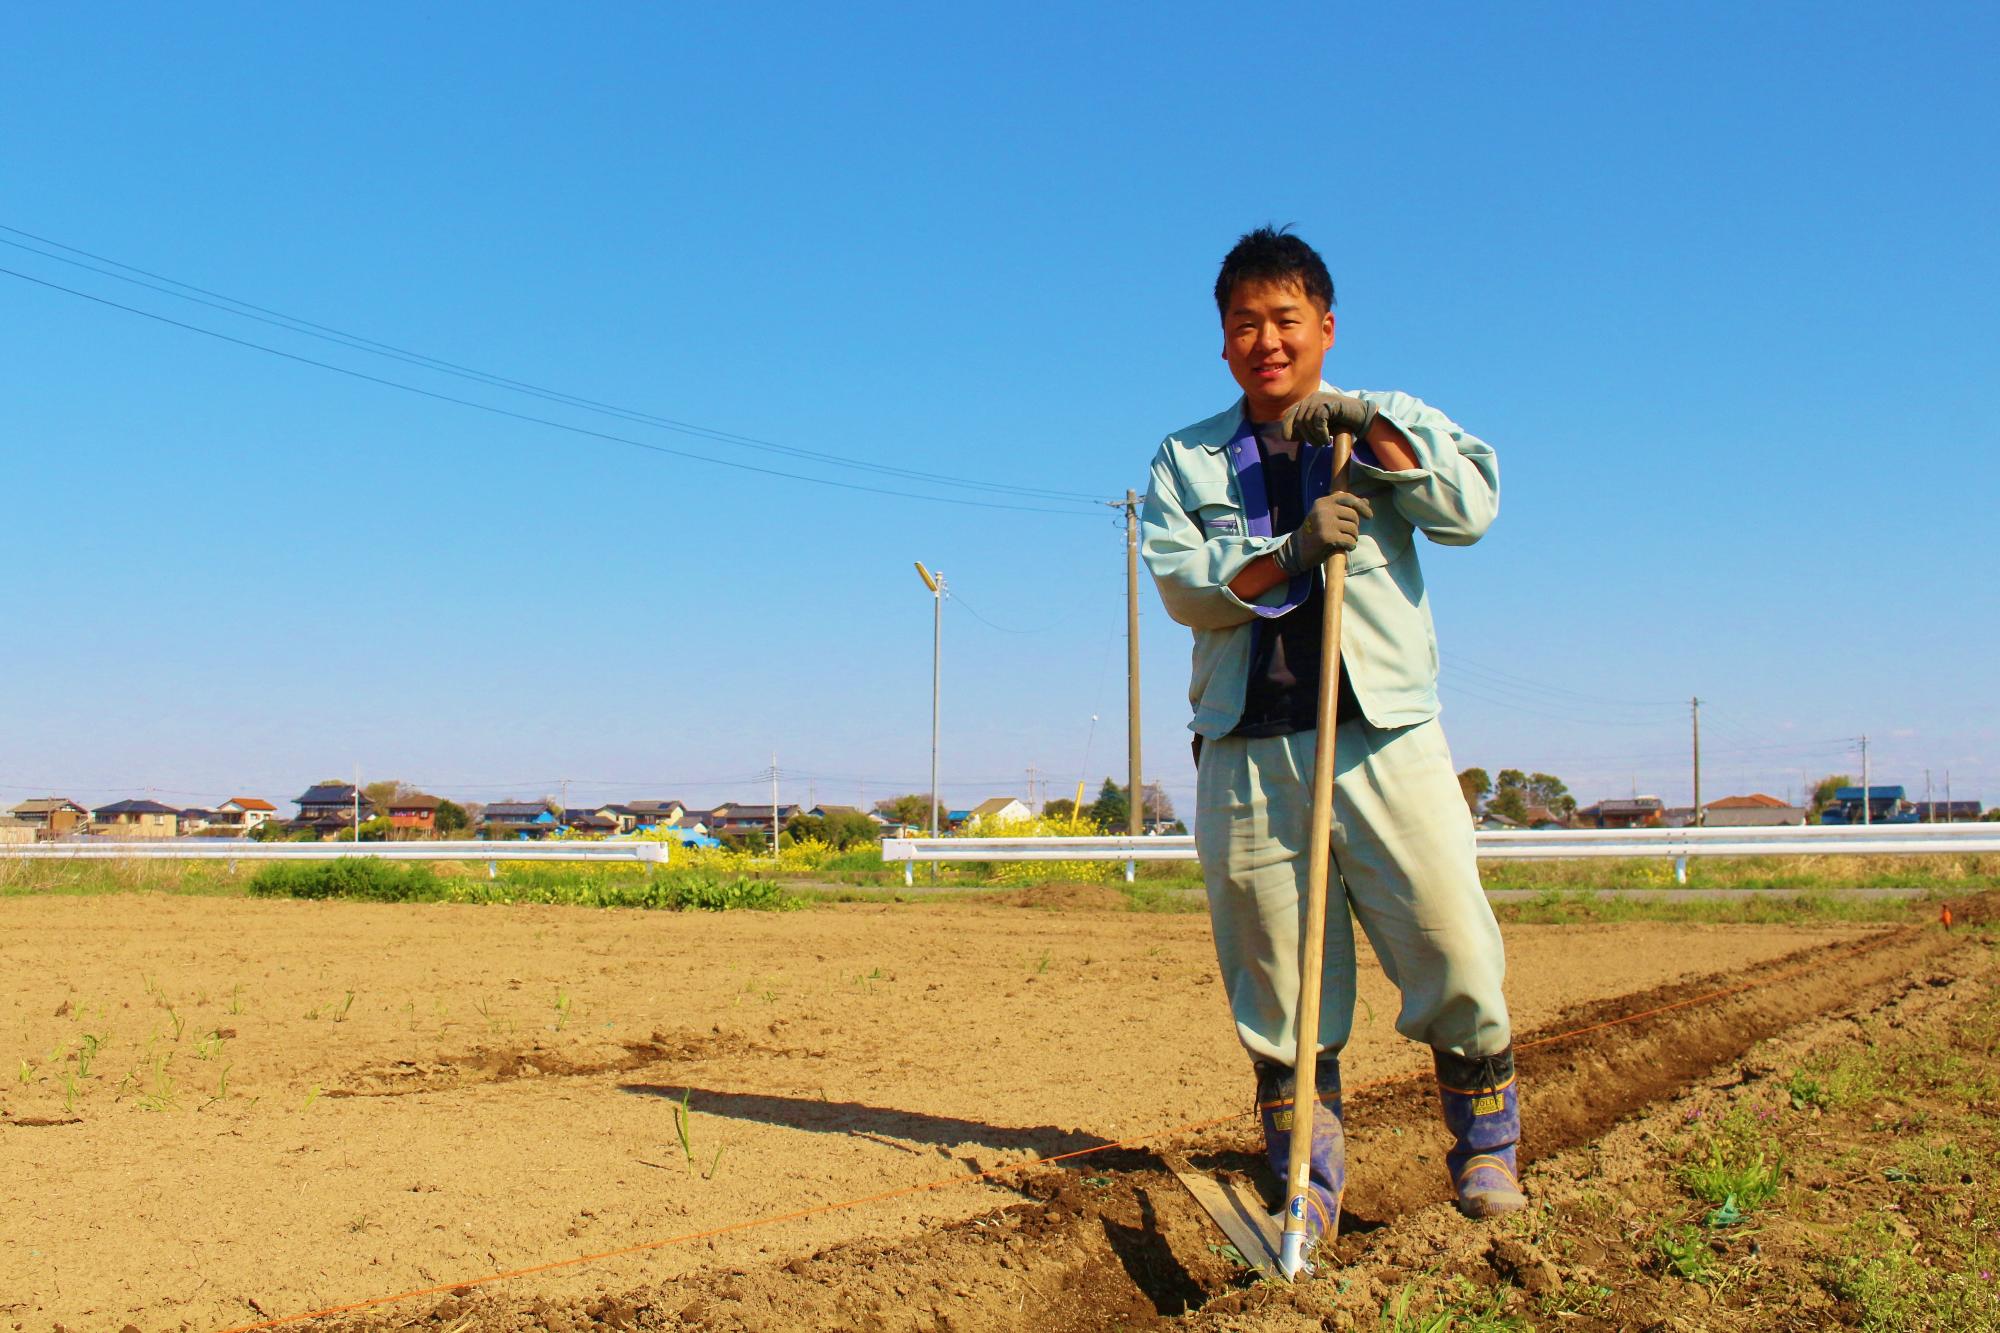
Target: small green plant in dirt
(26, 1074)
(164, 1095)
(340, 1014)
(69, 1092)
(684, 1131)
(1736, 1165)
(86, 1053)
(208, 1047)
(1829, 1083)
(562, 1006)
(1461, 1308)
(312, 1095)
(1684, 1250)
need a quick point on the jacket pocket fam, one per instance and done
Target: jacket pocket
(1216, 509)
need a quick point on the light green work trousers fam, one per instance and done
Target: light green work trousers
(1403, 863)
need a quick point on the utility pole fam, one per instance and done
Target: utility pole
(1930, 806)
(1695, 704)
(1135, 816)
(935, 582)
(1867, 792)
(774, 803)
(1947, 796)
(357, 803)
(1031, 789)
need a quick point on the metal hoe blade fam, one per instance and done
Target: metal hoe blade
(1236, 1208)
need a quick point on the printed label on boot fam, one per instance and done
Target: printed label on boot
(1491, 1103)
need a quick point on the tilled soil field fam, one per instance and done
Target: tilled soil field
(220, 1113)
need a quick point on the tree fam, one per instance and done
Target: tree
(1475, 786)
(1510, 802)
(1062, 808)
(839, 829)
(1158, 806)
(1550, 792)
(1822, 793)
(380, 794)
(452, 818)
(1111, 810)
(913, 810)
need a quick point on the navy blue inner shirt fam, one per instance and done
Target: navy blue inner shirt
(1282, 695)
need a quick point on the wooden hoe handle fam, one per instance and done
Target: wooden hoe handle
(1312, 947)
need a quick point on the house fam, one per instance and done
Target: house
(1001, 810)
(1947, 812)
(519, 819)
(136, 819)
(1541, 817)
(1489, 822)
(590, 822)
(14, 832)
(1874, 805)
(624, 816)
(748, 821)
(244, 814)
(414, 814)
(330, 808)
(52, 816)
(194, 819)
(1638, 812)
(1753, 811)
(656, 814)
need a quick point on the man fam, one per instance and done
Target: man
(1237, 524)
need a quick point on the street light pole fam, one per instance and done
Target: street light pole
(935, 582)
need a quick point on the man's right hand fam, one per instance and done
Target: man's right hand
(1332, 524)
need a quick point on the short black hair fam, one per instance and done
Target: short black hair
(1273, 254)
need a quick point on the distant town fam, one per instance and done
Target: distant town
(336, 811)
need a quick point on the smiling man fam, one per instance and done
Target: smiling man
(1238, 523)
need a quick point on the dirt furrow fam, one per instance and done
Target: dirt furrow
(1111, 1240)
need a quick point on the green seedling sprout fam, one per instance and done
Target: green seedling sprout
(27, 1071)
(340, 1015)
(86, 1053)
(562, 1009)
(682, 1118)
(69, 1092)
(180, 1024)
(311, 1097)
(236, 999)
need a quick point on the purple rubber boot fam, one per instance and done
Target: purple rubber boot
(1482, 1109)
(1275, 1093)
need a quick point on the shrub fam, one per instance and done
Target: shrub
(1036, 872)
(358, 877)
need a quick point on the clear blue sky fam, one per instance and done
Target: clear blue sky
(1717, 281)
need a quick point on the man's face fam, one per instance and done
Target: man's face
(1275, 339)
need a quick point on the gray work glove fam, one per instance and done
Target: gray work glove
(1324, 415)
(1332, 524)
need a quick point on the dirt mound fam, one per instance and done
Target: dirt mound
(1063, 897)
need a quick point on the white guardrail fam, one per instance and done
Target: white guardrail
(1508, 844)
(232, 850)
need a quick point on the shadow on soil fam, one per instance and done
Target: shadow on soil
(818, 1116)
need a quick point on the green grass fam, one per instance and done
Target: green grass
(366, 880)
(1461, 1309)
(1559, 907)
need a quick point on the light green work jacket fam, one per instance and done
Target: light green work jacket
(1198, 534)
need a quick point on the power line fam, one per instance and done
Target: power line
(357, 342)
(529, 417)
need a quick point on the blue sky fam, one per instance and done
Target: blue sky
(1716, 281)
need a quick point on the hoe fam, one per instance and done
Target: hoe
(1276, 1246)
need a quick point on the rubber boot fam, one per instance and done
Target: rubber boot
(1276, 1090)
(1482, 1109)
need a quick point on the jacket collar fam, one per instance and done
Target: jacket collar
(1219, 430)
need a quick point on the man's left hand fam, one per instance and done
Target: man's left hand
(1319, 418)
